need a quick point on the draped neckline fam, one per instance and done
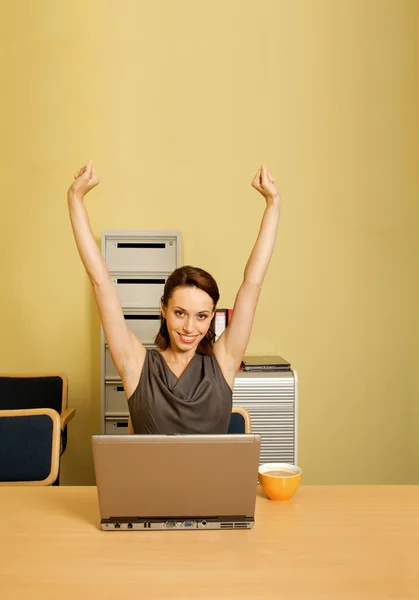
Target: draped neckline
(166, 366)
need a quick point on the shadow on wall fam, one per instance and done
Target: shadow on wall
(77, 467)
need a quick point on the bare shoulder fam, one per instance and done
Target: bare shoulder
(226, 364)
(132, 368)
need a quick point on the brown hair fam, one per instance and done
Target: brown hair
(188, 276)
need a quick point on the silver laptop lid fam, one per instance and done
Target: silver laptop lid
(182, 476)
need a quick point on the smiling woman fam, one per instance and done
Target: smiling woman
(185, 384)
(188, 309)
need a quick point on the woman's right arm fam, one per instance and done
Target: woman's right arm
(126, 350)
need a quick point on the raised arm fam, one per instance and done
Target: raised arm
(126, 350)
(230, 347)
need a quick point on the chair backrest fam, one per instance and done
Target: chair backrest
(29, 446)
(240, 421)
(49, 390)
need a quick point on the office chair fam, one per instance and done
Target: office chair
(29, 446)
(240, 421)
(38, 391)
(49, 390)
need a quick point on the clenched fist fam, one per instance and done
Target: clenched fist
(84, 180)
(263, 182)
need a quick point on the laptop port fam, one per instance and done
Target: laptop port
(170, 524)
(117, 526)
(189, 524)
(129, 525)
(203, 523)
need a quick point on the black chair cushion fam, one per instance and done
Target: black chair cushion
(25, 448)
(237, 424)
(31, 392)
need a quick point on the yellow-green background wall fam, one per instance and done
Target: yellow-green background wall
(411, 132)
(178, 103)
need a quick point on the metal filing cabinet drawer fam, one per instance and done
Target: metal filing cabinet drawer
(135, 253)
(139, 291)
(116, 426)
(115, 400)
(110, 369)
(144, 326)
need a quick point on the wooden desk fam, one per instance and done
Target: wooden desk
(337, 543)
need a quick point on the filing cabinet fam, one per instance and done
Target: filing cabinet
(271, 397)
(139, 264)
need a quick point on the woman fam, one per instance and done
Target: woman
(185, 385)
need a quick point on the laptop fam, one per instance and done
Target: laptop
(265, 363)
(176, 482)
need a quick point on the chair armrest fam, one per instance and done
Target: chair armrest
(66, 416)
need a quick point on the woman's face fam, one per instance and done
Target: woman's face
(188, 316)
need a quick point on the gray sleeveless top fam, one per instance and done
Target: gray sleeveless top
(200, 401)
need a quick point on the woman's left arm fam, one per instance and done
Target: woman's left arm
(230, 347)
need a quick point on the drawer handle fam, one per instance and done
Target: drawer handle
(140, 245)
(145, 281)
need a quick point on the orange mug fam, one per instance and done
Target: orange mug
(279, 481)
